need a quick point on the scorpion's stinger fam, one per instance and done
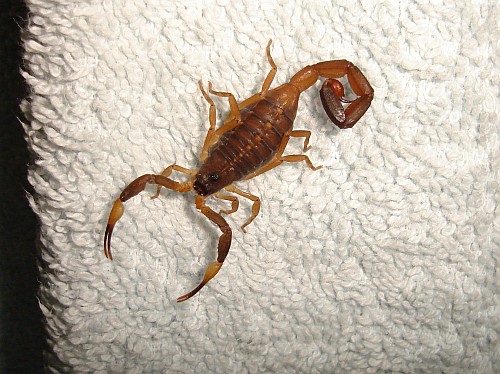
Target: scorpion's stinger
(332, 91)
(332, 97)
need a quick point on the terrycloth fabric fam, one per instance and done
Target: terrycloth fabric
(383, 260)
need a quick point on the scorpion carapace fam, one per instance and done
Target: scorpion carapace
(251, 141)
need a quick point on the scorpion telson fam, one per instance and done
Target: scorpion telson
(251, 141)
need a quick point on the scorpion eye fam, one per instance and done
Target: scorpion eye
(214, 177)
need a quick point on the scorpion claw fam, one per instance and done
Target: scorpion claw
(212, 270)
(114, 216)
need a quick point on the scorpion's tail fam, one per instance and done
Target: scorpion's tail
(332, 91)
(332, 98)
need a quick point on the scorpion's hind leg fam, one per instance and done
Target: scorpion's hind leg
(272, 73)
(211, 137)
(130, 191)
(234, 117)
(278, 158)
(222, 248)
(267, 81)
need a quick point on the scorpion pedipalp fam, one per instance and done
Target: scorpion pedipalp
(211, 272)
(136, 186)
(222, 247)
(115, 214)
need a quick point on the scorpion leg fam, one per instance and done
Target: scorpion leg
(235, 108)
(278, 159)
(234, 203)
(223, 246)
(130, 191)
(272, 73)
(306, 134)
(212, 135)
(267, 81)
(255, 205)
(233, 120)
(233, 104)
(210, 139)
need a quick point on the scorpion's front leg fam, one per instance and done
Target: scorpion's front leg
(133, 189)
(223, 246)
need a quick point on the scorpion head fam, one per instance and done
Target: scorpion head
(206, 184)
(209, 181)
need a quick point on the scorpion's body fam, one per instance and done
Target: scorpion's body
(252, 141)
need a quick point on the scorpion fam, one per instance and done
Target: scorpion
(250, 142)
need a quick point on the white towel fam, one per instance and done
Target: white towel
(383, 260)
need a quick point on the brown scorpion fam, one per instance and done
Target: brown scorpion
(250, 142)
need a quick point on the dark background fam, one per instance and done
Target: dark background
(22, 339)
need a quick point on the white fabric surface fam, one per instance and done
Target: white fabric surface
(385, 259)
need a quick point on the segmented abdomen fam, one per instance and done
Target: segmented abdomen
(253, 144)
